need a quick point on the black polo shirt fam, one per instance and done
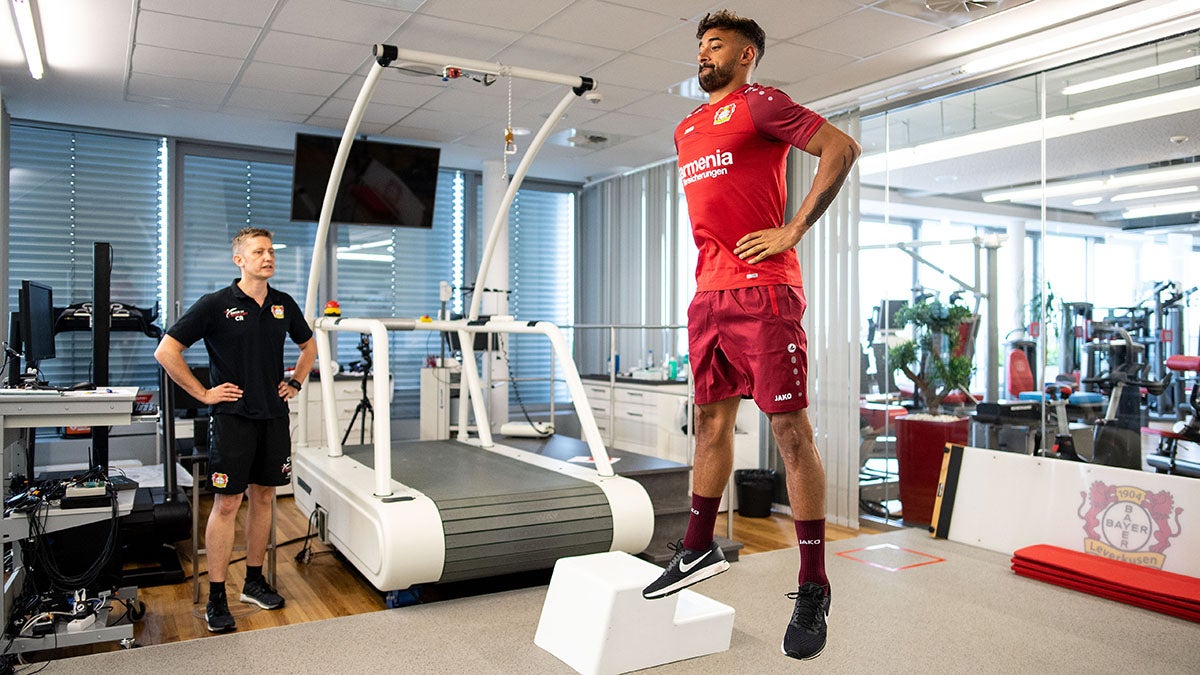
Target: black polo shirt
(245, 345)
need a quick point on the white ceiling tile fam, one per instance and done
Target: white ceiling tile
(294, 118)
(339, 124)
(306, 51)
(845, 35)
(265, 99)
(556, 56)
(624, 124)
(243, 12)
(386, 115)
(188, 65)
(643, 72)
(519, 16)
(691, 10)
(194, 35)
(176, 89)
(339, 20)
(453, 38)
(533, 115)
(432, 135)
(677, 44)
(600, 24)
(786, 62)
(178, 104)
(458, 123)
(613, 97)
(395, 88)
(492, 100)
(783, 20)
(665, 107)
(288, 78)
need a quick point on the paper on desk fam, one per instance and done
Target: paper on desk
(151, 475)
(584, 459)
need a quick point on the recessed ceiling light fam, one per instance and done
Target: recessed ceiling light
(1087, 201)
(1165, 192)
(1161, 210)
(1122, 78)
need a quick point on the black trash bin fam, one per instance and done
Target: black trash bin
(755, 491)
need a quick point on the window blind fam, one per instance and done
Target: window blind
(541, 231)
(68, 190)
(396, 272)
(221, 195)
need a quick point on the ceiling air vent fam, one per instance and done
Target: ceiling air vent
(960, 6)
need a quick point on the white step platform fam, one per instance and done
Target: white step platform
(596, 621)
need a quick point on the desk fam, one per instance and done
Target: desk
(20, 410)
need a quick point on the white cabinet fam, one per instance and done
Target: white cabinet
(649, 418)
(642, 418)
(347, 392)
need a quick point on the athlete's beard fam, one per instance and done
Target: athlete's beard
(714, 77)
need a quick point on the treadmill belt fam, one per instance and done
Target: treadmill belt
(500, 515)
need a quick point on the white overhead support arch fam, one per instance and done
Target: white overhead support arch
(387, 55)
(451, 68)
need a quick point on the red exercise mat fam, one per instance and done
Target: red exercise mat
(1146, 580)
(1104, 589)
(1143, 602)
(1174, 594)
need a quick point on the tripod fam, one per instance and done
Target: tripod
(364, 404)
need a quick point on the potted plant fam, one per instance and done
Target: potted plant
(937, 361)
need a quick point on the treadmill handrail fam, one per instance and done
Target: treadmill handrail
(378, 329)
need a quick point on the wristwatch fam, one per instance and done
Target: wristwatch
(294, 384)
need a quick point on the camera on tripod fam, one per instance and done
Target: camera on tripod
(363, 366)
(364, 404)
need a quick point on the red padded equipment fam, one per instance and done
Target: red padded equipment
(1017, 373)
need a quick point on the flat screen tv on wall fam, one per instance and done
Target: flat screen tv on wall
(383, 183)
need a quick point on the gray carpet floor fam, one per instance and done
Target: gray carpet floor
(967, 613)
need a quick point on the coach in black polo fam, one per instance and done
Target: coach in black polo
(243, 327)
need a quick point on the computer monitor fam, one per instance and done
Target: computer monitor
(184, 402)
(35, 304)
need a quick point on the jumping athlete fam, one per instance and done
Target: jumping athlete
(744, 331)
(243, 327)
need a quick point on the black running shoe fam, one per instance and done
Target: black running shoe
(805, 636)
(686, 568)
(259, 592)
(217, 615)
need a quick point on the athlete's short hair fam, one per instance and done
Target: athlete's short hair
(747, 28)
(247, 233)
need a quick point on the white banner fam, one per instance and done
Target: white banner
(1005, 501)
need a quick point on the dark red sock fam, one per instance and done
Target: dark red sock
(810, 535)
(700, 526)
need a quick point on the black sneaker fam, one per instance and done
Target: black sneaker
(805, 636)
(686, 568)
(259, 592)
(217, 615)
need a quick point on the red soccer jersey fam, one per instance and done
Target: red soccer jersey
(733, 164)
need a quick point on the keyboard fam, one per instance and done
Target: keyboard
(145, 408)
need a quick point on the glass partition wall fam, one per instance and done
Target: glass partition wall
(1055, 215)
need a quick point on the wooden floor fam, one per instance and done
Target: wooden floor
(328, 586)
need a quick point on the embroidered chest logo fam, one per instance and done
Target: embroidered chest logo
(1128, 523)
(277, 311)
(235, 313)
(724, 114)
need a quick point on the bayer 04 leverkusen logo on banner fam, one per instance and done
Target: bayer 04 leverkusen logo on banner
(1123, 522)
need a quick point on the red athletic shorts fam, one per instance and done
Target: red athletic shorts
(749, 342)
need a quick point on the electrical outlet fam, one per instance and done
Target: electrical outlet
(322, 525)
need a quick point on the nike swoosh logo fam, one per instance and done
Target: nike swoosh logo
(687, 567)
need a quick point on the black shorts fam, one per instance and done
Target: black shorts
(244, 451)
